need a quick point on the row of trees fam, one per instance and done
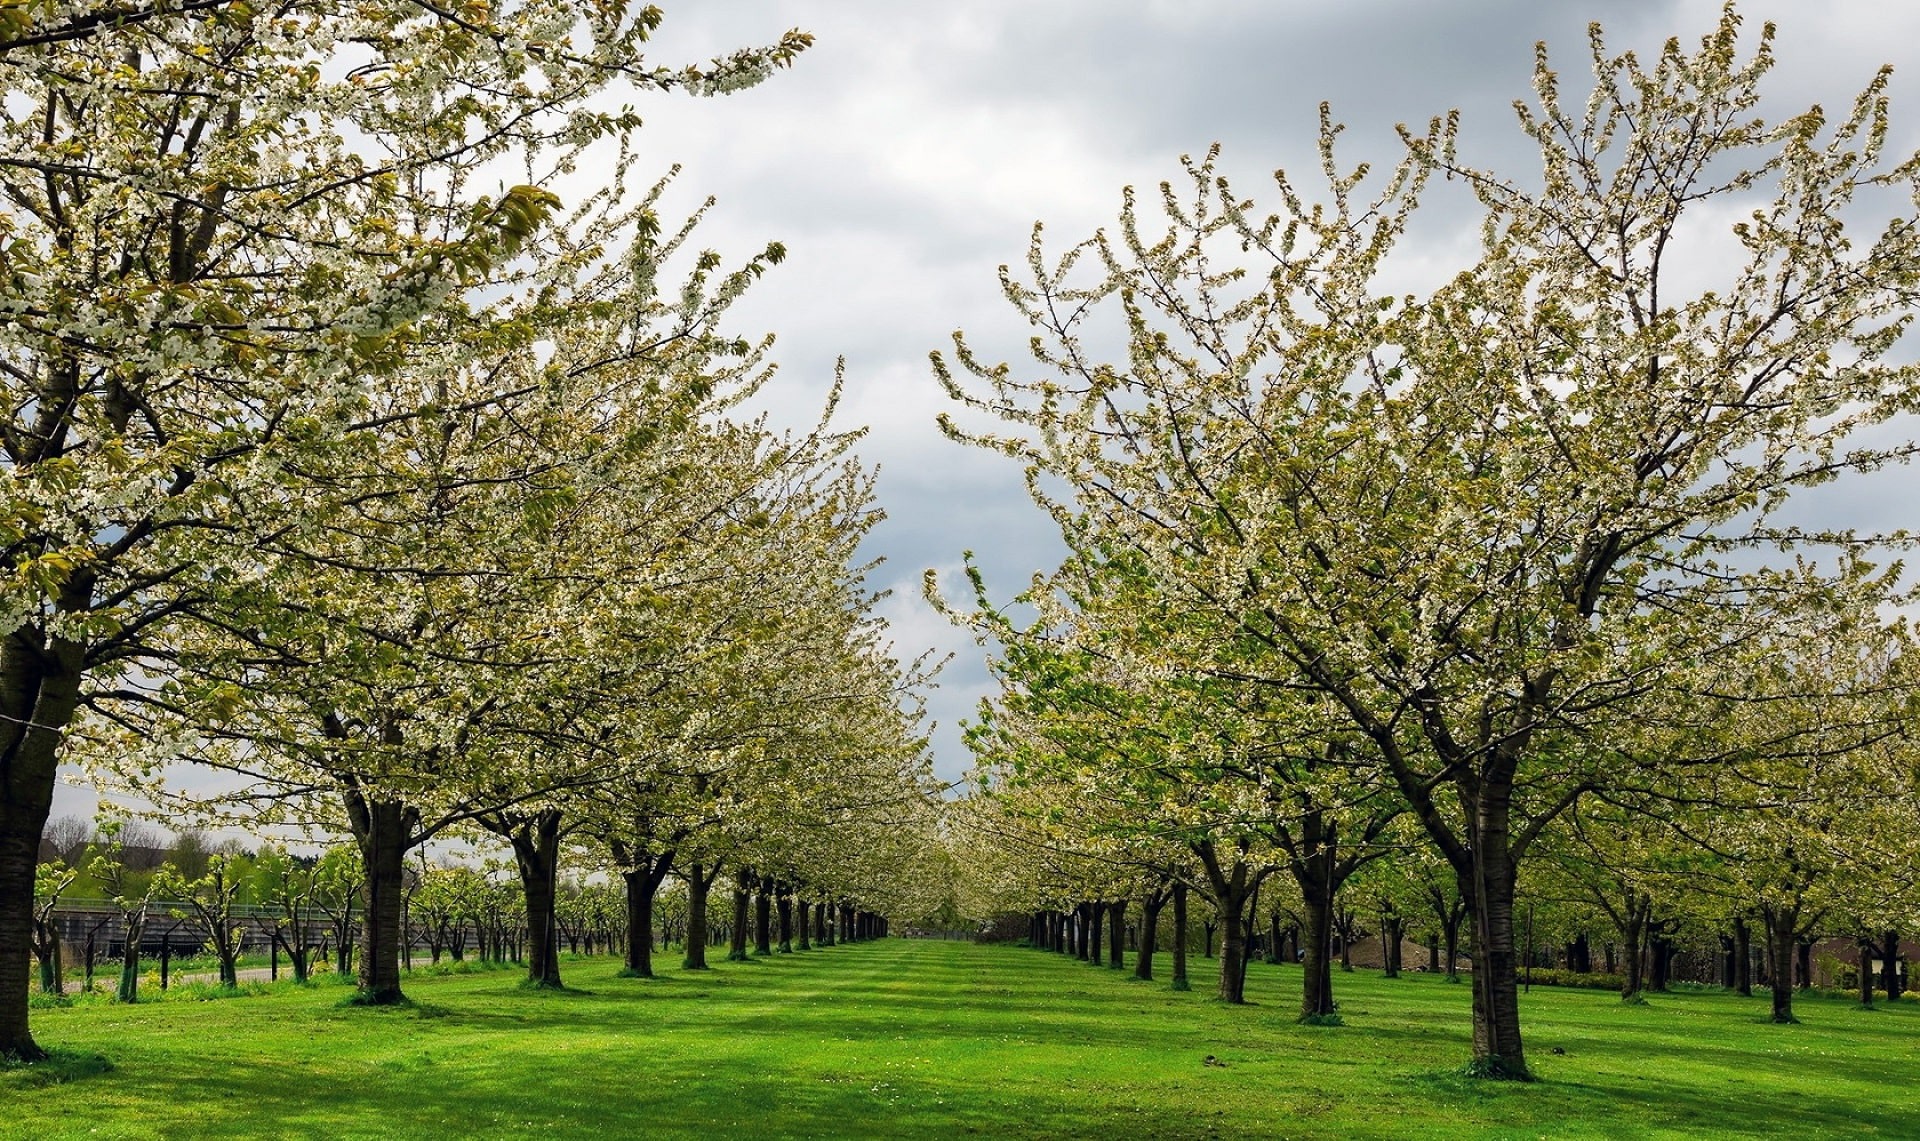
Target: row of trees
(345, 460)
(1463, 585)
(305, 906)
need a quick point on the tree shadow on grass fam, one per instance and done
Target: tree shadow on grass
(58, 1068)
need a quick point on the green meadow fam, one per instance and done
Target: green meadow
(904, 1038)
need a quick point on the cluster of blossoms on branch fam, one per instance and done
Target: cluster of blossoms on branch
(1467, 580)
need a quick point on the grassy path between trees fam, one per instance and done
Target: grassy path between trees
(904, 1038)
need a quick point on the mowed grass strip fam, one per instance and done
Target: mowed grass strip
(906, 1038)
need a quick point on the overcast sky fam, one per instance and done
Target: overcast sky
(908, 154)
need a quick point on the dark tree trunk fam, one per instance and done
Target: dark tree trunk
(384, 830)
(1316, 981)
(1580, 955)
(1180, 981)
(1660, 949)
(1116, 934)
(1345, 921)
(39, 692)
(1631, 929)
(298, 956)
(136, 927)
(783, 901)
(1890, 966)
(50, 980)
(1250, 937)
(803, 924)
(1487, 889)
(1392, 930)
(536, 853)
(1726, 962)
(1743, 955)
(1231, 887)
(737, 930)
(699, 881)
(639, 923)
(644, 873)
(1803, 965)
(1780, 924)
(1096, 911)
(763, 917)
(1866, 949)
(1150, 907)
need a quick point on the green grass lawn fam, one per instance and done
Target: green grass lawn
(905, 1038)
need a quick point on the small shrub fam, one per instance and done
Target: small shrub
(214, 992)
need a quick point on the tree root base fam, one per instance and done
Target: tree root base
(1497, 1069)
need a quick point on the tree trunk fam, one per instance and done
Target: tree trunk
(1779, 923)
(640, 892)
(763, 917)
(1345, 921)
(536, 852)
(297, 956)
(1231, 888)
(1149, 934)
(737, 932)
(1487, 888)
(1743, 955)
(1096, 910)
(1116, 934)
(1631, 982)
(1890, 966)
(1660, 949)
(1316, 981)
(129, 989)
(39, 692)
(783, 901)
(698, 881)
(1866, 949)
(383, 830)
(1180, 981)
(229, 955)
(1803, 965)
(1392, 930)
(50, 980)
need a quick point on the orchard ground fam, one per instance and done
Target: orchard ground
(924, 1038)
